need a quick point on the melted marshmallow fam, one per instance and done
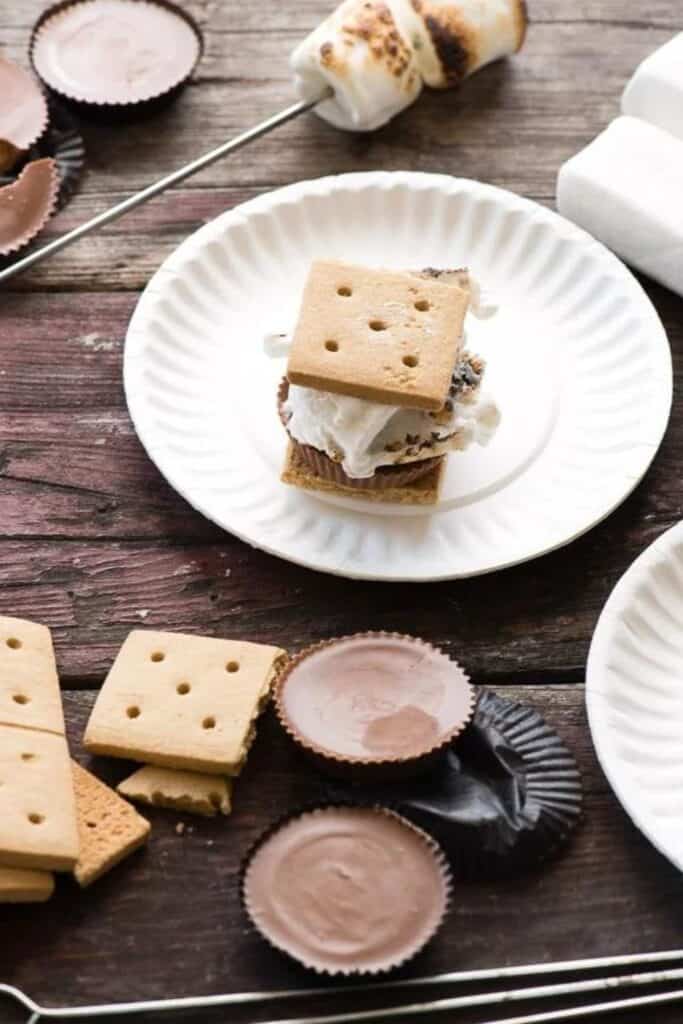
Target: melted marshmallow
(357, 433)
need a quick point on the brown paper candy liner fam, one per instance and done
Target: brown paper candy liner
(27, 204)
(322, 466)
(104, 108)
(506, 798)
(369, 769)
(260, 927)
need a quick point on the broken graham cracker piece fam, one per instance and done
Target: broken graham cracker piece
(381, 335)
(29, 687)
(20, 885)
(178, 791)
(185, 702)
(109, 828)
(424, 491)
(37, 807)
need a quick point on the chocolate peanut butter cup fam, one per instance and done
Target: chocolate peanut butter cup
(322, 466)
(373, 706)
(346, 889)
(23, 113)
(115, 59)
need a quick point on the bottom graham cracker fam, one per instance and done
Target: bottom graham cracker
(424, 491)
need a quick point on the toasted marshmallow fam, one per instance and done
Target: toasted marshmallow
(454, 39)
(363, 55)
(364, 436)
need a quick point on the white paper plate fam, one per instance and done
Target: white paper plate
(634, 692)
(577, 359)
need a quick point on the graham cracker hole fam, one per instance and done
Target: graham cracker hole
(182, 688)
(28, 757)
(232, 666)
(209, 723)
(91, 824)
(344, 291)
(158, 656)
(36, 819)
(13, 643)
(133, 711)
(377, 325)
(20, 698)
(410, 361)
(332, 346)
(422, 305)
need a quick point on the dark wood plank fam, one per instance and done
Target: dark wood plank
(540, 105)
(93, 593)
(71, 470)
(94, 543)
(169, 921)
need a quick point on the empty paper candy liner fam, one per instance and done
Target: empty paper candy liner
(63, 142)
(41, 182)
(505, 798)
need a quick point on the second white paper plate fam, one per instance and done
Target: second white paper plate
(634, 692)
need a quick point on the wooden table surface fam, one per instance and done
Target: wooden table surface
(94, 543)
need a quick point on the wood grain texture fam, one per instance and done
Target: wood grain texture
(94, 542)
(512, 124)
(170, 917)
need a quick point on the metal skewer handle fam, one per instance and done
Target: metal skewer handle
(288, 114)
(526, 972)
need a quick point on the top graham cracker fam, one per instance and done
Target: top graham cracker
(381, 335)
(185, 702)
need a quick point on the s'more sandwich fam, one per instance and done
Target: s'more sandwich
(379, 385)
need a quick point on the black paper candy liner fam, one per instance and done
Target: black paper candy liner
(504, 799)
(61, 140)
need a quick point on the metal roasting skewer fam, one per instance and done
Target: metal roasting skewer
(288, 114)
(502, 999)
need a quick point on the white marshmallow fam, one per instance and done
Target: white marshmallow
(357, 432)
(454, 38)
(655, 92)
(359, 51)
(376, 53)
(625, 189)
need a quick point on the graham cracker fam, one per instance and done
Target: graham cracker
(19, 885)
(29, 687)
(178, 791)
(109, 828)
(386, 336)
(37, 807)
(185, 702)
(424, 491)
